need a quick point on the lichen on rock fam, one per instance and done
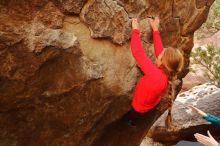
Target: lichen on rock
(106, 19)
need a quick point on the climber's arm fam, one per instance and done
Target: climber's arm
(139, 54)
(158, 45)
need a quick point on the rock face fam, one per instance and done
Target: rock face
(67, 74)
(206, 98)
(213, 39)
(198, 77)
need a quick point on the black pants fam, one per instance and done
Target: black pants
(132, 116)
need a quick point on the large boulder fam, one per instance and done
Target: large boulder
(196, 77)
(205, 97)
(67, 74)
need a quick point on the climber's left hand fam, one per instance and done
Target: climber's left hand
(135, 24)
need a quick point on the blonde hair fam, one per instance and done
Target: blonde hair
(172, 62)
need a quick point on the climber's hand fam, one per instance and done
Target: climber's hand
(198, 111)
(135, 23)
(154, 23)
(206, 140)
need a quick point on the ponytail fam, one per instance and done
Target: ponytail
(172, 63)
(172, 85)
(171, 95)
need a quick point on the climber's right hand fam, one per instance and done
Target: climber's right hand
(154, 23)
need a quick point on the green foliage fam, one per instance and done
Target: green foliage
(209, 58)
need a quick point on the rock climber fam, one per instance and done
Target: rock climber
(157, 78)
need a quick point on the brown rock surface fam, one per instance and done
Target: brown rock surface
(70, 6)
(106, 18)
(60, 86)
(198, 77)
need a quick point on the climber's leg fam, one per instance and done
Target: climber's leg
(131, 117)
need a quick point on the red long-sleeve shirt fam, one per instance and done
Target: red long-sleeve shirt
(154, 82)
